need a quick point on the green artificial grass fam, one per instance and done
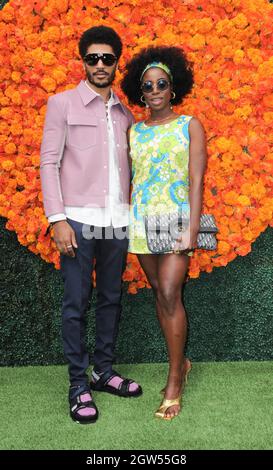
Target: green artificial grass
(225, 406)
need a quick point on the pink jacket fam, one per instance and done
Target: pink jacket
(74, 151)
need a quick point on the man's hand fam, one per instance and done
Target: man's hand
(64, 237)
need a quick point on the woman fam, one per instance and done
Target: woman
(168, 158)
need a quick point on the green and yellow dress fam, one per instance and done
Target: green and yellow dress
(160, 170)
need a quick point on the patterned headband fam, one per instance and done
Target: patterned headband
(160, 65)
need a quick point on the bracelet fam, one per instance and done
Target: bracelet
(50, 226)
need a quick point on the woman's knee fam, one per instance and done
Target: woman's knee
(168, 298)
(154, 286)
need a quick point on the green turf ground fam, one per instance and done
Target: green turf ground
(226, 406)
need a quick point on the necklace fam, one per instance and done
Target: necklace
(161, 120)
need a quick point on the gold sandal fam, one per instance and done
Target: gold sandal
(165, 405)
(168, 403)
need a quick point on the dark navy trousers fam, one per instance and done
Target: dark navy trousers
(110, 257)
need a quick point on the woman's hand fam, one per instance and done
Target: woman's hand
(187, 241)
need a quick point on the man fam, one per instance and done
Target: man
(85, 183)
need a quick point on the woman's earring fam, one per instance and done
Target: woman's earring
(173, 95)
(142, 99)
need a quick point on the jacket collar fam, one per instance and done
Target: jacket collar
(87, 95)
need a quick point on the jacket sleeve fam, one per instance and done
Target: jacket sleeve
(130, 117)
(52, 147)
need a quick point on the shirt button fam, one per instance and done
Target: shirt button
(104, 142)
(118, 145)
(114, 122)
(119, 169)
(105, 166)
(104, 190)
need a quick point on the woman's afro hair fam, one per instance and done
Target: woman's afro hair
(173, 57)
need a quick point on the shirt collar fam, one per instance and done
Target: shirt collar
(87, 95)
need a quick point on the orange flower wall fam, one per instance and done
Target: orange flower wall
(230, 44)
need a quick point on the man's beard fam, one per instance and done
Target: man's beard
(108, 79)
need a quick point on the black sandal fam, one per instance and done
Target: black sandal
(102, 385)
(76, 404)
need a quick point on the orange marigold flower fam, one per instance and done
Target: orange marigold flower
(224, 220)
(223, 247)
(132, 289)
(10, 148)
(255, 56)
(7, 165)
(268, 100)
(16, 76)
(210, 202)
(265, 70)
(16, 98)
(231, 197)
(129, 275)
(265, 213)
(244, 112)
(238, 56)
(53, 33)
(203, 259)
(244, 200)
(229, 210)
(7, 14)
(121, 13)
(234, 94)
(31, 238)
(240, 21)
(246, 189)
(247, 173)
(48, 58)
(223, 144)
(268, 117)
(16, 129)
(247, 234)
(49, 84)
(243, 249)
(198, 41)
(234, 225)
(19, 199)
(59, 76)
(61, 5)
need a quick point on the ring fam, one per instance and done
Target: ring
(68, 246)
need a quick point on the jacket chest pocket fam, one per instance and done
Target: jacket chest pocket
(82, 131)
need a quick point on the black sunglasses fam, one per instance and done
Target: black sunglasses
(93, 59)
(162, 84)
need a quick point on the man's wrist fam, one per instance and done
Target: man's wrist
(51, 225)
(54, 222)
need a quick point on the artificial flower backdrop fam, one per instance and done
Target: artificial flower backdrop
(230, 44)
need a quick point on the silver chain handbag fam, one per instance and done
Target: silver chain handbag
(163, 230)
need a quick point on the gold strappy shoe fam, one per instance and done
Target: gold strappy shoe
(165, 405)
(168, 403)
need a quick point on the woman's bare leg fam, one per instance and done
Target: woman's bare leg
(149, 264)
(172, 269)
(166, 274)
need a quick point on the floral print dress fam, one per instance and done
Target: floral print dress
(160, 171)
